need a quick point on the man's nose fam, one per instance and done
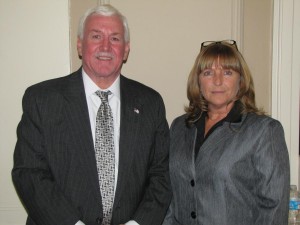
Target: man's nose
(105, 44)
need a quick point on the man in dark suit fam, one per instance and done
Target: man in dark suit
(56, 173)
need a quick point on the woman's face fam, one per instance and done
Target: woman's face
(219, 86)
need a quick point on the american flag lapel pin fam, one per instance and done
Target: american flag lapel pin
(136, 110)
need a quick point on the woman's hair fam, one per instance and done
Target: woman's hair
(230, 58)
(103, 10)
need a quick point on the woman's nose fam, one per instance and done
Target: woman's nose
(218, 77)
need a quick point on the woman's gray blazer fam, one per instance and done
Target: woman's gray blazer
(241, 175)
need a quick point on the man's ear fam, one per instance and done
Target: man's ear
(126, 53)
(79, 47)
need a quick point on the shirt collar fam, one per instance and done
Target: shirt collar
(90, 87)
(234, 115)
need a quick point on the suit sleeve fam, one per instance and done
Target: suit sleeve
(272, 165)
(31, 174)
(157, 197)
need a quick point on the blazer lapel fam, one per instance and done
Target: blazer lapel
(182, 149)
(213, 146)
(131, 110)
(77, 111)
(189, 154)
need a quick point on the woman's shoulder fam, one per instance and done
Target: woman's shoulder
(255, 120)
(180, 123)
(180, 119)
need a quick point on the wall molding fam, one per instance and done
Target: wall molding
(285, 76)
(237, 22)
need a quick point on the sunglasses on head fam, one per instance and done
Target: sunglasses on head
(208, 43)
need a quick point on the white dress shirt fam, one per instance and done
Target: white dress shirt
(94, 102)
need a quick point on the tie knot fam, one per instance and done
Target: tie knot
(103, 95)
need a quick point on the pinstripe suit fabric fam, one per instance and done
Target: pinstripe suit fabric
(55, 170)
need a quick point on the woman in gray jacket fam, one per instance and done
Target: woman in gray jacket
(229, 162)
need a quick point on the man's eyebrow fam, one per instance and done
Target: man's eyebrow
(99, 31)
(116, 33)
(96, 31)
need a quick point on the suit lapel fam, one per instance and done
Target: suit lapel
(213, 146)
(77, 111)
(189, 154)
(131, 110)
(190, 138)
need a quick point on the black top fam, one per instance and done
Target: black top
(234, 116)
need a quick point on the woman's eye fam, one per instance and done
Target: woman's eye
(207, 73)
(227, 72)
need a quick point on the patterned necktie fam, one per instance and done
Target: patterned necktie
(105, 157)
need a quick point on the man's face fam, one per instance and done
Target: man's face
(103, 48)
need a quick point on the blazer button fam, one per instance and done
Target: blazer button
(99, 220)
(192, 183)
(193, 215)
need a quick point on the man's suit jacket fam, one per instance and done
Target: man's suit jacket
(240, 175)
(55, 171)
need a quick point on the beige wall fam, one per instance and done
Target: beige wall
(34, 46)
(166, 37)
(257, 47)
(77, 8)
